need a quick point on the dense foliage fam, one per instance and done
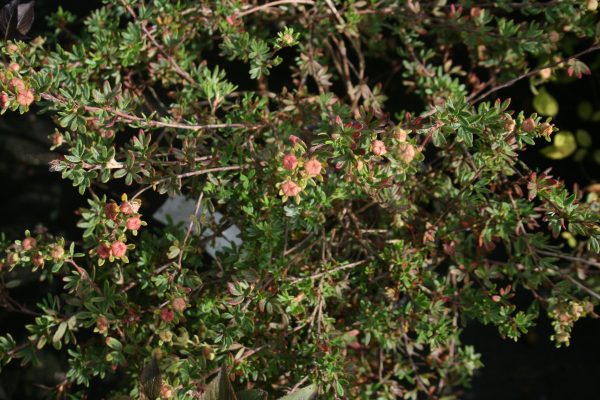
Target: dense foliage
(369, 235)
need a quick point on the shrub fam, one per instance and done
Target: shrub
(368, 239)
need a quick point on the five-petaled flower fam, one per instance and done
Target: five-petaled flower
(25, 97)
(406, 152)
(29, 243)
(378, 148)
(290, 162)
(179, 304)
(312, 167)
(290, 189)
(167, 315)
(118, 248)
(134, 223)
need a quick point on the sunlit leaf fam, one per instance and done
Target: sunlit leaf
(584, 139)
(306, 393)
(545, 104)
(564, 145)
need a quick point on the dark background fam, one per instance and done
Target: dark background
(529, 369)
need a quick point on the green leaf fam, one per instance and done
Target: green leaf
(150, 380)
(60, 332)
(219, 388)
(306, 393)
(114, 343)
(545, 104)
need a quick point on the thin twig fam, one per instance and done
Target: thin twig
(570, 258)
(190, 227)
(160, 48)
(331, 271)
(153, 123)
(528, 74)
(273, 4)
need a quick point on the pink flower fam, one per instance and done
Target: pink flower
(17, 84)
(127, 208)
(400, 134)
(38, 260)
(290, 189)
(167, 315)
(102, 324)
(179, 304)
(29, 243)
(378, 148)
(25, 97)
(406, 152)
(3, 100)
(130, 207)
(57, 252)
(290, 162)
(118, 248)
(528, 125)
(103, 251)
(312, 167)
(134, 223)
(57, 139)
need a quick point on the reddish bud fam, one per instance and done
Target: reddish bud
(528, 125)
(3, 100)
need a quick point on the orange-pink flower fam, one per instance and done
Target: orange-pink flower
(134, 223)
(290, 162)
(312, 167)
(29, 243)
(17, 84)
(378, 148)
(290, 189)
(179, 304)
(167, 315)
(103, 251)
(406, 152)
(25, 97)
(118, 248)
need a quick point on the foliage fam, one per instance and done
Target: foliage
(369, 240)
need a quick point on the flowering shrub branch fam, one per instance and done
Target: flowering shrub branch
(369, 239)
